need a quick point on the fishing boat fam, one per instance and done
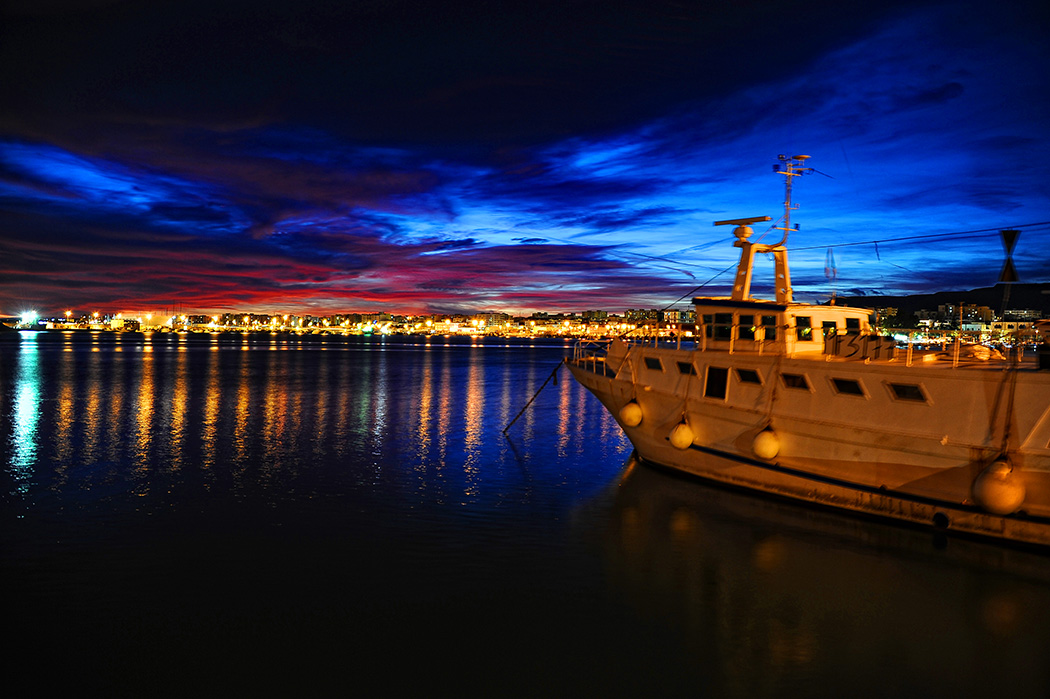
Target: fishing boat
(809, 402)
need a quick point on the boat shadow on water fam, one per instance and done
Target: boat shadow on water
(673, 502)
(819, 598)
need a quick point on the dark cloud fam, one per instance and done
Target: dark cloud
(421, 154)
(408, 71)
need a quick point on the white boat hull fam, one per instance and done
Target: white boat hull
(866, 452)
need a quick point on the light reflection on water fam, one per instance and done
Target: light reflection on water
(144, 420)
(23, 441)
(259, 410)
(308, 511)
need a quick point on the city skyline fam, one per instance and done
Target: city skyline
(1005, 298)
(435, 158)
(1028, 301)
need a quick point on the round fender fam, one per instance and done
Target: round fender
(682, 436)
(766, 445)
(999, 489)
(631, 414)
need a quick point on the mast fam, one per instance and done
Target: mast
(792, 167)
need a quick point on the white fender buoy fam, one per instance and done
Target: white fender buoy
(766, 444)
(682, 436)
(998, 489)
(631, 414)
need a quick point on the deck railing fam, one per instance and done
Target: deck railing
(590, 354)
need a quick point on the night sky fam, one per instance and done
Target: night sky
(431, 157)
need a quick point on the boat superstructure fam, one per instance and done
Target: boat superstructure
(807, 401)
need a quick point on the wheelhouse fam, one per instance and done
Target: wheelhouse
(776, 328)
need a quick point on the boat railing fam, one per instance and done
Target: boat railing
(662, 341)
(591, 354)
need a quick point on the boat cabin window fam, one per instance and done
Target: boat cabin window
(747, 328)
(723, 326)
(769, 327)
(653, 363)
(853, 326)
(847, 387)
(804, 328)
(717, 382)
(795, 380)
(748, 376)
(907, 391)
(830, 328)
(686, 368)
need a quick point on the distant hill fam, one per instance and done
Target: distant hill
(1022, 296)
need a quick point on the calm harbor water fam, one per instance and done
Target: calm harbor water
(207, 514)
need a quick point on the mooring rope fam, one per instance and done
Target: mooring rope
(533, 398)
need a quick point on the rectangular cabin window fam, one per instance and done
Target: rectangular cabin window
(654, 364)
(769, 326)
(709, 326)
(723, 326)
(747, 328)
(830, 328)
(795, 381)
(847, 387)
(717, 382)
(748, 376)
(803, 328)
(686, 368)
(853, 326)
(908, 391)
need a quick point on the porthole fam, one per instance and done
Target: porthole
(848, 387)
(748, 376)
(795, 381)
(908, 392)
(654, 363)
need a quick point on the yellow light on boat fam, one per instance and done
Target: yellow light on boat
(766, 444)
(631, 414)
(998, 489)
(682, 436)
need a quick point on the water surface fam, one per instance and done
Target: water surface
(235, 513)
